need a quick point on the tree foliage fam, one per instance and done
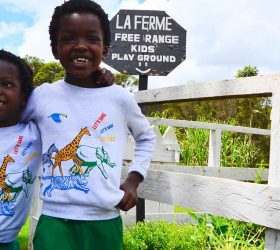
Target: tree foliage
(127, 81)
(253, 112)
(49, 72)
(247, 71)
(44, 72)
(34, 63)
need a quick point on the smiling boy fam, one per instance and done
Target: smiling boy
(80, 47)
(18, 142)
(80, 186)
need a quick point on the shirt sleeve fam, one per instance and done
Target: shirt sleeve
(29, 112)
(144, 136)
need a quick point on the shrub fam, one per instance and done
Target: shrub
(162, 235)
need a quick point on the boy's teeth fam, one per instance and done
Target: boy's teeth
(80, 60)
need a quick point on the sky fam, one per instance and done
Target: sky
(222, 35)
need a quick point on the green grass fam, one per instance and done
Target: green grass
(211, 232)
(23, 236)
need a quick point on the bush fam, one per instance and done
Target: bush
(23, 236)
(211, 232)
(164, 236)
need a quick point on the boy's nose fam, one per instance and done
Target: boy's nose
(81, 45)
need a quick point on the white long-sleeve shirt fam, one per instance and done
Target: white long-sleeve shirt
(20, 156)
(84, 132)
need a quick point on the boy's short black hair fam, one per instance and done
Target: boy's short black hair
(79, 6)
(25, 72)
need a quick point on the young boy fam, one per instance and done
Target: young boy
(20, 149)
(84, 130)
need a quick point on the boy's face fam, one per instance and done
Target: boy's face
(80, 47)
(11, 97)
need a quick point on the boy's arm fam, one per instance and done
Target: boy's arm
(29, 111)
(145, 140)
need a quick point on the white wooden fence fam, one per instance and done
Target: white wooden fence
(256, 203)
(200, 188)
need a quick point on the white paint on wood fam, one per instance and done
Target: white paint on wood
(158, 134)
(169, 137)
(167, 148)
(207, 125)
(260, 85)
(272, 237)
(255, 203)
(215, 142)
(272, 241)
(233, 173)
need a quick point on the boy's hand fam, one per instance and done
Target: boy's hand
(104, 77)
(129, 187)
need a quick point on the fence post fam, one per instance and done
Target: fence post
(272, 236)
(214, 157)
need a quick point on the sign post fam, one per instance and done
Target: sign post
(140, 207)
(145, 43)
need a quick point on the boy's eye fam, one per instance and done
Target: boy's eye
(67, 38)
(7, 84)
(94, 39)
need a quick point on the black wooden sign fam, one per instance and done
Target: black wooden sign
(146, 42)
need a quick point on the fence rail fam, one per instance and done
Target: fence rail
(232, 173)
(238, 200)
(209, 126)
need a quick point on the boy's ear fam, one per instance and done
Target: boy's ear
(23, 100)
(105, 52)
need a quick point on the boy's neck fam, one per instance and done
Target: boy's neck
(89, 82)
(5, 124)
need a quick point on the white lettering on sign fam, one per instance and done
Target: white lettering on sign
(152, 23)
(124, 57)
(126, 25)
(126, 37)
(160, 39)
(156, 58)
(143, 48)
(147, 38)
(145, 23)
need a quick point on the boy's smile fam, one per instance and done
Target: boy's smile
(80, 47)
(11, 98)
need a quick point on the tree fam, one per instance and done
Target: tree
(247, 71)
(50, 72)
(126, 81)
(34, 63)
(254, 112)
